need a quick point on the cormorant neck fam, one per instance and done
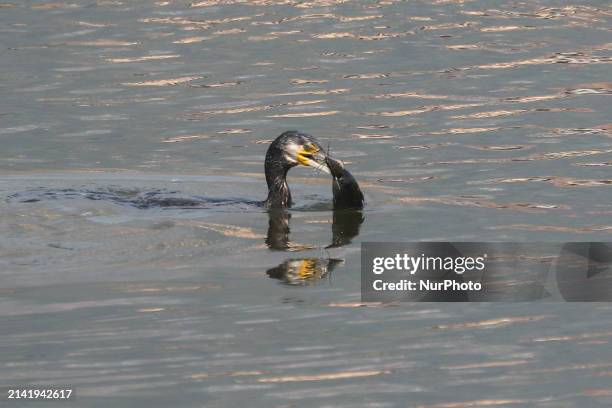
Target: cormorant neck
(279, 195)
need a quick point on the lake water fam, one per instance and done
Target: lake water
(462, 121)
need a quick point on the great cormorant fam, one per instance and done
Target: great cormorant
(293, 148)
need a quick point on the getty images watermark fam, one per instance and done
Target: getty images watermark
(486, 272)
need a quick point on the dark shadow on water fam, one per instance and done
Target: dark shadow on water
(153, 198)
(304, 271)
(345, 226)
(278, 230)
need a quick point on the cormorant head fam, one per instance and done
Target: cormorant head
(294, 148)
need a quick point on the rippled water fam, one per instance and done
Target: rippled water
(462, 120)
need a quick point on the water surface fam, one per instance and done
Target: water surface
(462, 120)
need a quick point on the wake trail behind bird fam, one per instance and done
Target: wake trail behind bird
(141, 199)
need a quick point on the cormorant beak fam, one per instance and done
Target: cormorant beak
(312, 156)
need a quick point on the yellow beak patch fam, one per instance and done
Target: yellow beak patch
(308, 269)
(306, 150)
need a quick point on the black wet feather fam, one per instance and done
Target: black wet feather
(347, 194)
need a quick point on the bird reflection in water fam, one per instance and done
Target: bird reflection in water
(287, 151)
(304, 271)
(307, 271)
